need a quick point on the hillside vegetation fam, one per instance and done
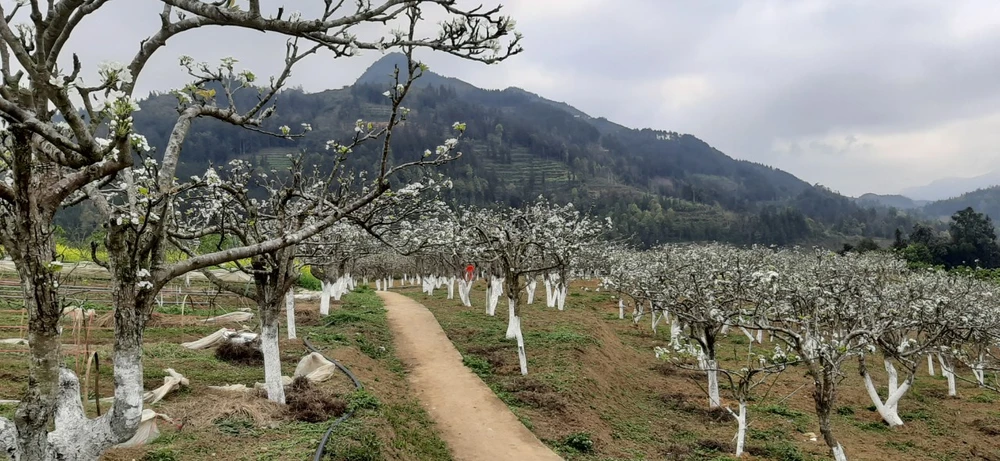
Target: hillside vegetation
(658, 186)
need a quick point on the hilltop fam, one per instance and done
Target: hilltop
(657, 185)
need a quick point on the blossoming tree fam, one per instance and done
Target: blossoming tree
(47, 163)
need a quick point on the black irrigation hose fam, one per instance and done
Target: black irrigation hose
(357, 385)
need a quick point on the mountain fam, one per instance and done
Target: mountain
(946, 188)
(985, 200)
(656, 185)
(895, 201)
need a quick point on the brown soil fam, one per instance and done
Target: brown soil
(473, 421)
(612, 387)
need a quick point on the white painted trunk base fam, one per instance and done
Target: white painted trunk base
(324, 300)
(741, 433)
(272, 363)
(888, 410)
(838, 453)
(290, 313)
(711, 367)
(531, 290)
(948, 372)
(511, 319)
(522, 357)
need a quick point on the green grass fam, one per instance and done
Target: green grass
(389, 423)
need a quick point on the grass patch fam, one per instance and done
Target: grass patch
(904, 446)
(872, 426)
(780, 410)
(984, 397)
(478, 365)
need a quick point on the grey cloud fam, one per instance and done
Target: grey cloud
(776, 72)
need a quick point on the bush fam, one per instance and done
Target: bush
(580, 442)
(307, 281)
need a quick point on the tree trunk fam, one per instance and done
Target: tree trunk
(511, 318)
(290, 313)
(493, 298)
(340, 287)
(561, 295)
(324, 300)
(930, 365)
(741, 432)
(531, 290)
(269, 347)
(522, 357)
(32, 249)
(948, 371)
(550, 300)
(889, 410)
(824, 396)
(712, 368)
(621, 309)
(451, 288)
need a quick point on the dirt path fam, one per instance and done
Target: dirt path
(473, 421)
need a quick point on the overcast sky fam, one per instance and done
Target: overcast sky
(861, 96)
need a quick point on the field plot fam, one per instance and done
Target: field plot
(595, 391)
(208, 424)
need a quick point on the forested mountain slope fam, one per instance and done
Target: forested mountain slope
(657, 186)
(985, 200)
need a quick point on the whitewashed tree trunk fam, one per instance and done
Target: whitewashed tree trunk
(621, 309)
(324, 299)
(550, 300)
(711, 367)
(675, 332)
(495, 290)
(888, 410)
(451, 288)
(522, 357)
(741, 432)
(378, 285)
(561, 297)
(948, 372)
(340, 288)
(290, 312)
(978, 370)
(531, 290)
(838, 453)
(272, 362)
(930, 365)
(511, 320)
(464, 292)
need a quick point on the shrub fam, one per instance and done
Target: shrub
(579, 441)
(307, 281)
